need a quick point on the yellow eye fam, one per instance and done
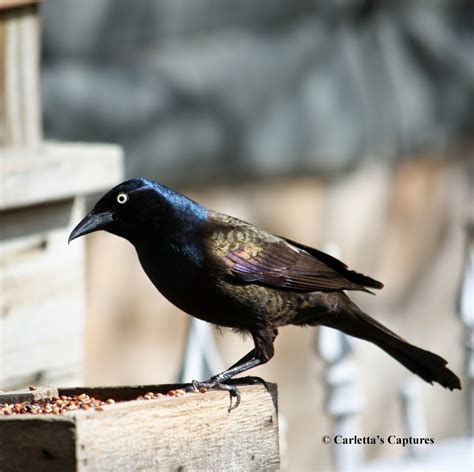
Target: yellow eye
(122, 198)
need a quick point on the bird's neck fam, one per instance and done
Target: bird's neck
(177, 239)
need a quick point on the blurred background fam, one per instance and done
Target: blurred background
(345, 125)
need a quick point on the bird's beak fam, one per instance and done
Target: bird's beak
(92, 222)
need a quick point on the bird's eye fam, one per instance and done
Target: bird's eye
(122, 198)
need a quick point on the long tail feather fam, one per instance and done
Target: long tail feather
(430, 367)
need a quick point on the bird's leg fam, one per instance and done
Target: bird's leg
(236, 369)
(261, 354)
(247, 357)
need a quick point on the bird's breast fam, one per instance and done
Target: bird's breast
(186, 284)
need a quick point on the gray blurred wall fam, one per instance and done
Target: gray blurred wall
(195, 89)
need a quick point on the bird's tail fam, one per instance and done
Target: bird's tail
(428, 366)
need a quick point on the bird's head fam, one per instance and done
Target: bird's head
(134, 207)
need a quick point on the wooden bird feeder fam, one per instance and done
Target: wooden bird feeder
(194, 431)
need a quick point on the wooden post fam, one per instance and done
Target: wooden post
(42, 189)
(20, 103)
(190, 432)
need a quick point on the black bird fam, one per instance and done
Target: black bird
(225, 271)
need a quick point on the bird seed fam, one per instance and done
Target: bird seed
(64, 403)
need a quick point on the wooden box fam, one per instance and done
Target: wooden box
(191, 432)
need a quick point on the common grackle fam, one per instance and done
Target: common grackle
(227, 272)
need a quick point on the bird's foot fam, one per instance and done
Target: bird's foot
(214, 383)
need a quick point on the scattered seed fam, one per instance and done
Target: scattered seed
(59, 405)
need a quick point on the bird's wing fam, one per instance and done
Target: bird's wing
(249, 255)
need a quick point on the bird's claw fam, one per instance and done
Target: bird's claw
(214, 384)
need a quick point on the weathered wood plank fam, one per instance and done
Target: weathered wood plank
(41, 295)
(191, 432)
(49, 347)
(75, 169)
(20, 103)
(45, 444)
(28, 395)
